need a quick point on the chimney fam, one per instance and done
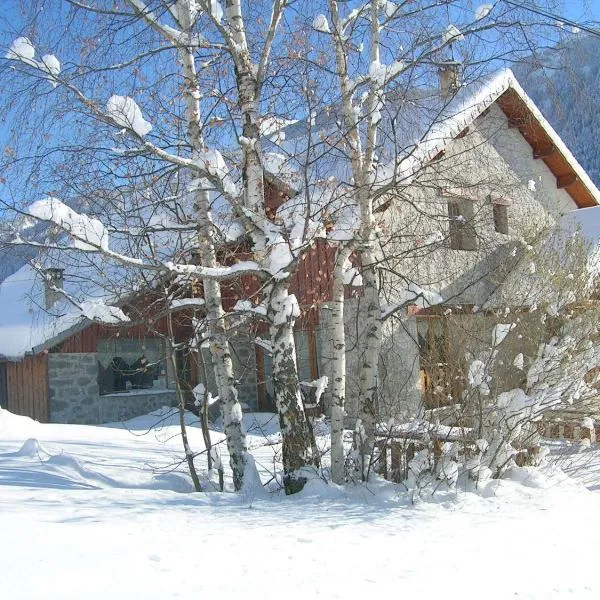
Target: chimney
(449, 77)
(53, 283)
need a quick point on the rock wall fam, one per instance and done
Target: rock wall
(74, 396)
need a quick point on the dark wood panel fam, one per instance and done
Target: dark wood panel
(26, 384)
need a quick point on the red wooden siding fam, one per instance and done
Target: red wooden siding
(27, 387)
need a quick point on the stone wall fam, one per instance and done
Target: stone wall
(74, 396)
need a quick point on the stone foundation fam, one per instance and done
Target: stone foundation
(74, 395)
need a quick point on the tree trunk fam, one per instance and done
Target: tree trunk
(204, 409)
(189, 455)
(297, 443)
(219, 344)
(370, 317)
(338, 369)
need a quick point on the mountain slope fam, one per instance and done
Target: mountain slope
(565, 85)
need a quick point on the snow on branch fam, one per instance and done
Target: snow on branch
(452, 34)
(213, 163)
(482, 11)
(176, 37)
(23, 50)
(247, 307)
(94, 310)
(321, 24)
(246, 267)
(126, 113)
(180, 303)
(413, 294)
(319, 385)
(87, 233)
(100, 312)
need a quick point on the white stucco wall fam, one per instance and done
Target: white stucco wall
(490, 160)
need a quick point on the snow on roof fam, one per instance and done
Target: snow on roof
(418, 125)
(468, 104)
(25, 325)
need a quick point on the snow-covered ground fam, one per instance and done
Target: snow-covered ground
(102, 513)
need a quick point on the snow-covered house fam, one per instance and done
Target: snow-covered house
(489, 176)
(482, 171)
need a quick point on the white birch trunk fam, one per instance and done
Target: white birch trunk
(298, 445)
(370, 317)
(338, 369)
(362, 155)
(219, 344)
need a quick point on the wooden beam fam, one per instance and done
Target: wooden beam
(544, 151)
(565, 181)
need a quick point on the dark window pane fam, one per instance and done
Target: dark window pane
(501, 218)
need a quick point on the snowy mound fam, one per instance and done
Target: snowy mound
(30, 449)
(16, 426)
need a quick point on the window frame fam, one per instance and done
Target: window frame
(461, 229)
(500, 216)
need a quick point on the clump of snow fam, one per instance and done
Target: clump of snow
(216, 10)
(321, 24)
(452, 34)
(126, 113)
(413, 294)
(51, 64)
(184, 10)
(96, 310)
(531, 185)
(87, 232)
(214, 164)
(500, 331)
(286, 309)
(518, 362)
(477, 376)
(377, 72)
(482, 11)
(390, 8)
(31, 448)
(271, 125)
(21, 48)
(319, 385)
(587, 423)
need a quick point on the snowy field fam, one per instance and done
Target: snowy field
(102, 513)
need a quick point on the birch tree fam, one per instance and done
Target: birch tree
(205, 55)
(380, 50)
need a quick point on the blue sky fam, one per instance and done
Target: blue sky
(585, 10)
(12, 23)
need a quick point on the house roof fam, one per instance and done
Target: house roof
(417, 127)
(471, 102)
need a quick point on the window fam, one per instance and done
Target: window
(129, 364)
(441, 371)
(500, 218)
(461, 229)
(120, 376)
